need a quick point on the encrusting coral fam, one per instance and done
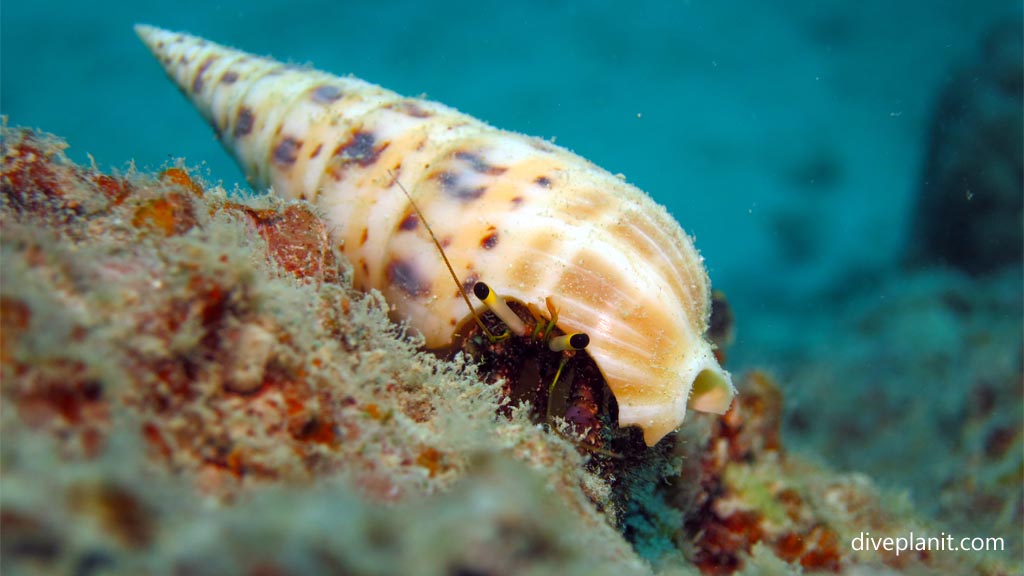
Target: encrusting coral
(191, 385)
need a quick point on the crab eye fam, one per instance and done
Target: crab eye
(576, 341)
(500, 308)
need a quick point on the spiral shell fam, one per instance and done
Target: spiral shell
(530, 218)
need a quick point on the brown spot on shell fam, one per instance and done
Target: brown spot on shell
(287, 151)
(404, 276)
(361, 148)
(409, 108)
(229, 77)
(326, 94)
(468, 283)
(244, 121)
(543, 146)
(409, 223)
(452, 188)
(316, 151)
(364, 236)
(489, 241)
(517, 201)
(198, 82)
(542, 181)
(478, 164)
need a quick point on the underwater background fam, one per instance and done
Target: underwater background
(788, 138)
(851, 172)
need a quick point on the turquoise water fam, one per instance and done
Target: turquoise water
(790, 139)
(777, 136)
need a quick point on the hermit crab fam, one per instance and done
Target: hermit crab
(571, 248)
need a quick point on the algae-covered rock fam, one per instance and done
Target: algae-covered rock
(164, 345)
(191, 385)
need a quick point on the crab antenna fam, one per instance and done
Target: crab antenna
(455, 277)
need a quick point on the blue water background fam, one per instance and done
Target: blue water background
(785, 136)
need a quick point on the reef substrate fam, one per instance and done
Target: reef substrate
(191, 385)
